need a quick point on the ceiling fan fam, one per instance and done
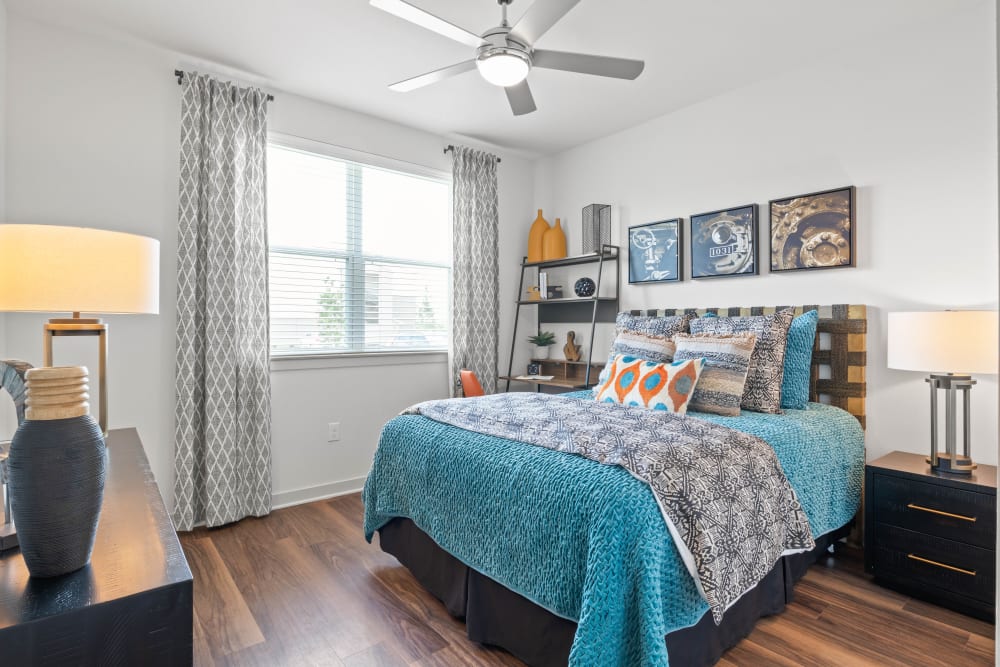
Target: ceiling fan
(505, 54)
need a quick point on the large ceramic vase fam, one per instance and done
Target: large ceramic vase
(56, 471)
(554, 242)
(535, 235)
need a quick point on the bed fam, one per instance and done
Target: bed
(560, 559)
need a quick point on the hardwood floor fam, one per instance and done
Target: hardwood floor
(302, 587)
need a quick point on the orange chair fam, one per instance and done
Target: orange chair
(470, 384)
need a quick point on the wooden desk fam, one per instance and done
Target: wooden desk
(131, 606)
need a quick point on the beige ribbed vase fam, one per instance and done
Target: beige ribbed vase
(59, 392)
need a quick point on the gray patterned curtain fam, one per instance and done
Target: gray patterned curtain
(475, 277)
(222, 457)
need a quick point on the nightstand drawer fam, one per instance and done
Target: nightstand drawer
(954, 514)
(958, 568)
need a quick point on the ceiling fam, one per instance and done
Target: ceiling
(345, 52)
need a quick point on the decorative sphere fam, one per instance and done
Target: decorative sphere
(585, 287)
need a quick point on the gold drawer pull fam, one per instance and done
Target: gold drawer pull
(949, 514)
(971, 573)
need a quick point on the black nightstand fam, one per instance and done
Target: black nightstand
(932, 535)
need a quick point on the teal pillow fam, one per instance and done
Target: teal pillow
(798, 361)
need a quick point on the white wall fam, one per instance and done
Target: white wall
(93, 132)
(910, 119)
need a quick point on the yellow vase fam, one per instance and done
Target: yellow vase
(535, 235)
(554, 243)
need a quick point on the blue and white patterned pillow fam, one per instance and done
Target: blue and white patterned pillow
(762, 392)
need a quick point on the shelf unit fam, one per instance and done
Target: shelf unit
(569, 375)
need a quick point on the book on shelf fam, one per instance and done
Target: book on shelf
(543, 284)
(535, 377)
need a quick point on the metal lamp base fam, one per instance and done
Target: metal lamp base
(83, 326)
(949, 460)
(957, 465)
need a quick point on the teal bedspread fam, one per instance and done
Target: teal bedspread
(584, 540)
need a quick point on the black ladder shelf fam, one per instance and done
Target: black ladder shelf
(596, 308)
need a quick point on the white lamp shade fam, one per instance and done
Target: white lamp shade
(949, 341)
(54, 269)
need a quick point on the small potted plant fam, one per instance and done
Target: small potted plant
(542, 340)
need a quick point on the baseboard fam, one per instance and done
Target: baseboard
(313, 493)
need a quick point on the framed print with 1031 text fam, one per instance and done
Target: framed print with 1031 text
(814, 231)
(724, 243)
(654, 252)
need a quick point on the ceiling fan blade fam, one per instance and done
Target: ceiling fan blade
(406, 85)
(618, 68)
(520, 98)
(414, 14)
(542, 15)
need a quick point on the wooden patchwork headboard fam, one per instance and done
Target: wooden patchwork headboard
(839, 353)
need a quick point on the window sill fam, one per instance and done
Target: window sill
(356, 360)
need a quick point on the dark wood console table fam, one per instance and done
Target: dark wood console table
(131, 606)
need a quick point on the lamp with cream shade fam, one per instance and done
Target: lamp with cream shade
(48, 268)
(951, 345)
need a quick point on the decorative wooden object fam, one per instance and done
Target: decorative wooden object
(571, 350)
(840, 346)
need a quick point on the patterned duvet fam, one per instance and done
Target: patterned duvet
(584, 540)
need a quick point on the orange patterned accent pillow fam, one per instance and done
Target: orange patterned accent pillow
(639, 383)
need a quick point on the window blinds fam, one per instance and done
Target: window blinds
(360, 256)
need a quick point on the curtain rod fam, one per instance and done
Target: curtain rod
(451, 147)
(180, 77)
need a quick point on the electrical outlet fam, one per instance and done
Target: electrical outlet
(333, 435)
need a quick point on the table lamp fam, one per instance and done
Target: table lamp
(47, 268)
(950, 345)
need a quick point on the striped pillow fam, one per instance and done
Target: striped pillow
(762, 391)
(649, 338)
(727, 359)
(645, 384)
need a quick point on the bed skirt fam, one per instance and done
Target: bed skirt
(497, 616)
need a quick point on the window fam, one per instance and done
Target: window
(360, 255)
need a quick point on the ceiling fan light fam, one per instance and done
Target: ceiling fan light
(503, 68)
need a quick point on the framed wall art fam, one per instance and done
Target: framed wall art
(724, 243)
(814, 231)
(654, 252)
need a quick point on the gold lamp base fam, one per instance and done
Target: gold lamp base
(83, 326)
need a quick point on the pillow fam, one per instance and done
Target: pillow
(649, 338)
(653, 326)
(727, 359)
(639, 383)
(648, 346)
(798, 361)
(762, 392)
